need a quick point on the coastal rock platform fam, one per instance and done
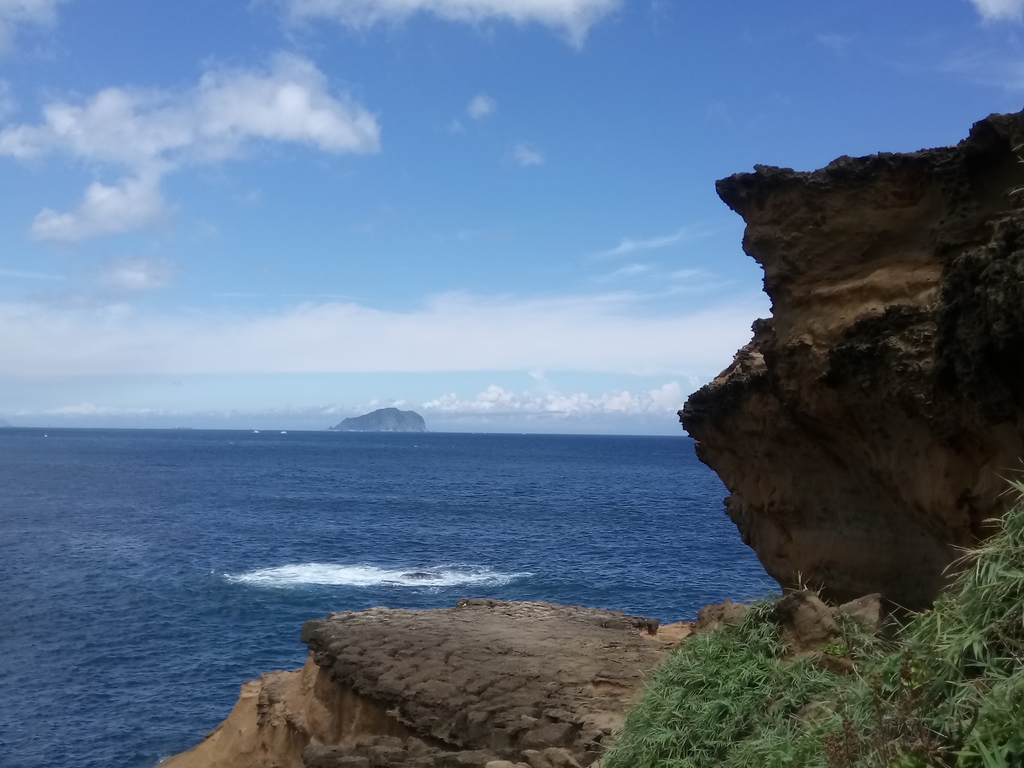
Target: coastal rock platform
(486, 683)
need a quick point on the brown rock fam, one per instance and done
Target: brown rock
(867, 611)
(806, 622)
(483, 682)
(839, 665)
(551, 758)
(710, 617)
(865, 432)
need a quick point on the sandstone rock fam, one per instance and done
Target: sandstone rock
(806, 622)
(465, 687)
(867, 611)
(710, 617)
(551, 758)
(673, 634)
(866, 431)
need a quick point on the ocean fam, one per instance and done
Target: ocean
(146, 574)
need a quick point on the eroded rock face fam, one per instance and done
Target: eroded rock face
(867, 431)
(485, 682)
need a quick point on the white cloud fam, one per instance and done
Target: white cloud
(525, 155)
(998, 10)
(481, 106)
(151, 133)
(450, 333)
(132, 204)
(15, 12)
(497, 401)
(137, 274)
(91, 409)
(573, 17)
(626, 272)
(986, 67)
(631, 245)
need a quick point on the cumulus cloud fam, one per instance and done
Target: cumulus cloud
(481, 106)
(137, 273)
(151, 133)
(573, 17)
(499, 402)
(999, 10)
(15, 12)
(133, 203)
(525, 155)
(449, 333)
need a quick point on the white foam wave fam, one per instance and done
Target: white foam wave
(326, 574)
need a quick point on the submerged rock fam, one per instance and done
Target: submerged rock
(867, 431)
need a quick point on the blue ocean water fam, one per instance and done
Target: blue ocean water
(144, 575)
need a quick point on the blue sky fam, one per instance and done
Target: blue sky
(500, 213)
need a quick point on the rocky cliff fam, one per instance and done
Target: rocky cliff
(866, 432)
(486, 684)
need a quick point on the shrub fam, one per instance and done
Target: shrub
(948, 691)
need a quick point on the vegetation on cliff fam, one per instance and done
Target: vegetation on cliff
(948, 690)
(383, 420)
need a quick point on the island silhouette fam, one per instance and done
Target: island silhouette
(383, 420)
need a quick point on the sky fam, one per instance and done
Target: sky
(498, 213)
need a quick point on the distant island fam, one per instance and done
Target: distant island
(5, 424)
(383, 420)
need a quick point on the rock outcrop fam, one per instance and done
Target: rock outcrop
(867, 432)
(486, 683)
(383, 420)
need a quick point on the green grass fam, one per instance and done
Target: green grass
(724, 699)
(948, 691)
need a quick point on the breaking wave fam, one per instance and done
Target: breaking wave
(325, 574)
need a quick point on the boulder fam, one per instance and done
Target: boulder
(868, 611)
(806, 623)
(710, 617)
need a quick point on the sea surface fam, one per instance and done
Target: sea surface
(145, 574)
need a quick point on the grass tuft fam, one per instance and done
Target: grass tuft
(947, 691)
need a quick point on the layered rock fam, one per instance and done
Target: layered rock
(525, 683)
(867, 432)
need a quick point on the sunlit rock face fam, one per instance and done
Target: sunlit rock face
(868, 430)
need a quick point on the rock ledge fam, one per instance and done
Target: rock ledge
(485, 682)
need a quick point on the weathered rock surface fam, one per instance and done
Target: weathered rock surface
(867, 431)
(868, 611)
(529, 684)
(805, 622)
(711, 617)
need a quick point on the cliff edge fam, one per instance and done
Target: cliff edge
(865, 434)
(487, 684)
